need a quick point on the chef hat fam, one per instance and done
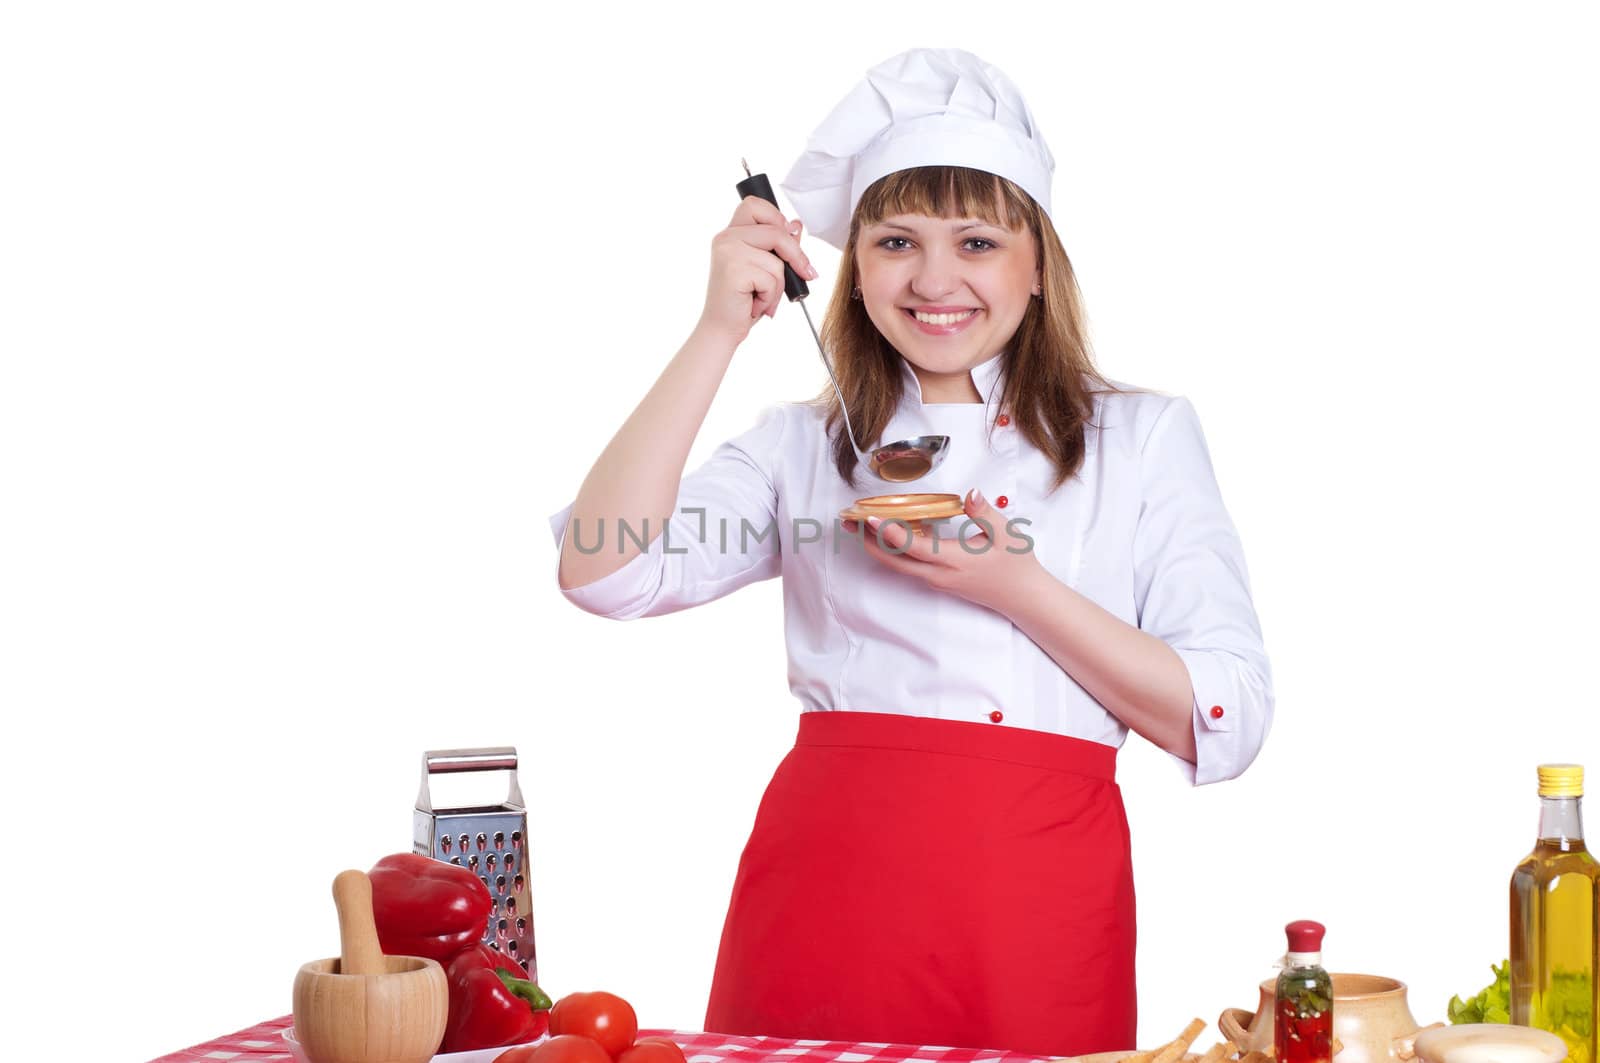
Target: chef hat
(924, 107)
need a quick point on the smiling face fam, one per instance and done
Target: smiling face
(947, 293)
(908, 248)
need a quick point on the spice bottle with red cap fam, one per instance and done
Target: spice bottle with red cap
(1303, 1022)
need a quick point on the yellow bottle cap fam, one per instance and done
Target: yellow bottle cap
(1561, 780)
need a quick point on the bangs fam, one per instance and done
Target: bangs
(945, 192)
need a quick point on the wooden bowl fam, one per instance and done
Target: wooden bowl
(912, 509)
(394, 1017)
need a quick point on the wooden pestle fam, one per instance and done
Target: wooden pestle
(363, 1006)
(359, 952)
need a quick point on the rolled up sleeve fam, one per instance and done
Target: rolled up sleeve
(722, 534)
(1193, 592)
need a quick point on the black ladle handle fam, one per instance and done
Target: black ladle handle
(758, 185)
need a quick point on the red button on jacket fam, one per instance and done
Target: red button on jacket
(1001, 501)
(1002, 420)
(1216, 712)
(997, 716)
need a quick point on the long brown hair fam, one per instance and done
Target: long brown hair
(1048, 374)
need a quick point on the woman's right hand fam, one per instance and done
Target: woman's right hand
(746, 276)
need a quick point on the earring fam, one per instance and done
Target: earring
(1037, 294)
(855, 293)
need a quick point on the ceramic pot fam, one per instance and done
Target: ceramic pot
(1370, 1015)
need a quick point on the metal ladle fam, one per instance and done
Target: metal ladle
(898, 462)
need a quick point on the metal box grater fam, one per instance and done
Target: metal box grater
(489, 840)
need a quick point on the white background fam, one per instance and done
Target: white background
(313, 312)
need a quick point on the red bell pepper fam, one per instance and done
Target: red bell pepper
(491, 1004)
(425, 907)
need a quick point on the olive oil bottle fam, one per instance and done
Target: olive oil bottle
(1555, 910)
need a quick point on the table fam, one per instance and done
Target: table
(264, 1042)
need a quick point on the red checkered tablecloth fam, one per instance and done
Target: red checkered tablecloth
(265, 1042)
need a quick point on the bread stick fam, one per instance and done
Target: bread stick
(1175, 1051)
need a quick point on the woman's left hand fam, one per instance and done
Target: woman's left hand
(994, 569)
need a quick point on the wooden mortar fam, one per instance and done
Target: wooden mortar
(363, 1006)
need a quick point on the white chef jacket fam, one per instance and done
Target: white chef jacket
(1141, 530)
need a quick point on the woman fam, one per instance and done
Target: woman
(943, 857)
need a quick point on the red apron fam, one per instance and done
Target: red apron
(934, 882)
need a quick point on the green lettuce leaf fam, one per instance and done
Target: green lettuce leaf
(1490, 1004)
(1568, 1009)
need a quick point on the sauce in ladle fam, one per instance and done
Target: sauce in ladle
(905, 467)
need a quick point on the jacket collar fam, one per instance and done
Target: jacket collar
(985, 375)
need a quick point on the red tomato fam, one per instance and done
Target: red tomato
(653, 1050)
(567, 1048)
(605, 1017)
